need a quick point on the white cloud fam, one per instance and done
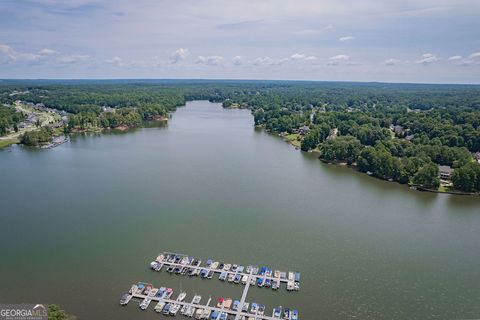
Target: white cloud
(461, 61)
(179, 55)
(237, 60)
(346, 38)
(427, 58)
(13, 55)
(74, 58)
(44, 55)
(296, 57)
(115, 61)
(338, 59)
(474, 55)
(209, 60)
(300, 57)
(8, 51)
(455, 58)
(47, 52)
(391, 62)
(265, 61)
(309, 32)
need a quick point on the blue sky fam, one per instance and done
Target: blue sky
(436, 41)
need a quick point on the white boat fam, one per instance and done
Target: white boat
(133, 289)
(153, 292)
(244, 279)
(145, 303)
(291, 276)
(174, 309)
(183, 309)
(198, 313)
(227, 267)
(159, 306)
(275, 284)
(125, 299)
(296, 286)
(168, 293)
(196, 299)
(277, 312)
(181, 296)
(290, 286)
(261, 309)
(190, 311)
(206, 313)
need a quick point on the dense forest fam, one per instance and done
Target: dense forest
(397, 132)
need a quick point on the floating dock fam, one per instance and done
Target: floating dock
(184, 262)
(238, 314)
(251, 275)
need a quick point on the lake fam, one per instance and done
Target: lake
(81, 222)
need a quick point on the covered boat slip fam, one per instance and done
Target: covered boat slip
(180, 263)
(237, 313)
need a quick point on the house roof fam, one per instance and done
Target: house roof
(446, 169)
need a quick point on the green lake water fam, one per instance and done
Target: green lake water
(81, 222)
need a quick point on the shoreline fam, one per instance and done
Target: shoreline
(6, 142)
(292, 139)
(295, 143)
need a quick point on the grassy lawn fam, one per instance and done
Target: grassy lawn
(294, 139)
(6, 143)
(296, 143)
(293, 136)
(443, 188)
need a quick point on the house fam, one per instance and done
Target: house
(398, 130)
(333, 134)
(477, 156)
(303, 130)
(108, 109)
(445, 173)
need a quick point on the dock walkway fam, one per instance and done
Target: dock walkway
(173, 264)
(238, 314)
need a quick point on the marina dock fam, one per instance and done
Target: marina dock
(238, 314)
(182, 264)
(292, 279)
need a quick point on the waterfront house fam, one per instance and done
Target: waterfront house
(303, 130)
(445, 173)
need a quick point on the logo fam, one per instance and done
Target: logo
(23, 311)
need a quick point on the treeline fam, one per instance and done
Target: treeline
(9, 118)
(37, 138)
(399, 132)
